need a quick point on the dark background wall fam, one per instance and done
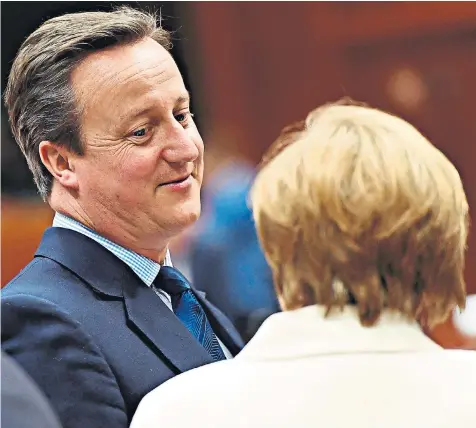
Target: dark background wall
(264, 64)
(255, 66)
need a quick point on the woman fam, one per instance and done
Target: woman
(364, 225)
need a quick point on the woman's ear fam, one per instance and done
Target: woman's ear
(282, 304)
(59, 162)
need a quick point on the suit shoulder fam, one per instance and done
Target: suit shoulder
(63, 359)
(20, 309)
(30, 269)
(45, 279)
(39, 270)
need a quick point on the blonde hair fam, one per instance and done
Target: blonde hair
(361, 208)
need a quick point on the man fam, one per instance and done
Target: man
(364, 225)
(99, 317)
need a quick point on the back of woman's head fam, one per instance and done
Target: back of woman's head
(358, 207)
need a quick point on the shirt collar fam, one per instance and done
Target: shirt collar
(145, 268)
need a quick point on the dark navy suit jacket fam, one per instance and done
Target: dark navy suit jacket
(92, 335)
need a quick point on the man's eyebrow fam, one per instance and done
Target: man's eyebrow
(183, 99)
(147, 108)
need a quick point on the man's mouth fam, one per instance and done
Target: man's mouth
(176, 181)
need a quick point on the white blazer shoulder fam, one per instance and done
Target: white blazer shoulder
(304, 370)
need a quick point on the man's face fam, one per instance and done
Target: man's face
(143, 163)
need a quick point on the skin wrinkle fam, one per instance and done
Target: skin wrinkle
(119, 175)
(116, 98)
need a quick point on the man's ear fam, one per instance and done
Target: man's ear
(59, 162)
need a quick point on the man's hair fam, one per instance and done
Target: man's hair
(39, 96)
(358, 207)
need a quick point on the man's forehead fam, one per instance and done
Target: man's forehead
(127, 71)
(144, 50)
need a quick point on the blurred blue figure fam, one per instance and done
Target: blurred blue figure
(225, 257)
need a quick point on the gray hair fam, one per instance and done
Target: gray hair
(39, 97)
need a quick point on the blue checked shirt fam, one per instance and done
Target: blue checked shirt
(145, 268)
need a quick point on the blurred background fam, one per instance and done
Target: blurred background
(252, 68)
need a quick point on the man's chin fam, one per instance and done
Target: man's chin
(185, 216)
(191, 217)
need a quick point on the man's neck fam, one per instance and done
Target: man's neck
(148, 243)
(123, 239)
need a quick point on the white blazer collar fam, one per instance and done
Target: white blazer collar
(306, 332)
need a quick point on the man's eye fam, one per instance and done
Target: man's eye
(140, 132)
(183, 117)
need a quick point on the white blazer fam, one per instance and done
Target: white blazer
(303, 370)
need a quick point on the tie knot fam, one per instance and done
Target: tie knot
(171, 281)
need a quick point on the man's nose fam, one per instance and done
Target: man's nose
(179, 147)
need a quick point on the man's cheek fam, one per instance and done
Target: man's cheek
(139, 169)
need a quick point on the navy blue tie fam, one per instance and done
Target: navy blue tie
(188, 309)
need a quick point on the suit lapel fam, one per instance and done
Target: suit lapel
(159, 325)
(108, 276)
